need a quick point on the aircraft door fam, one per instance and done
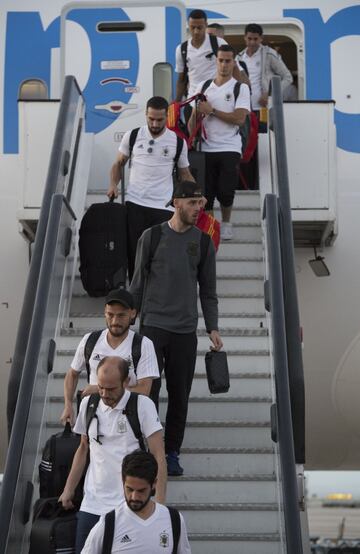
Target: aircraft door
(112, 51)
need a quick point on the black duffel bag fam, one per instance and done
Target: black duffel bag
(53, 529)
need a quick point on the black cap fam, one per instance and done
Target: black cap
(186, 189)
(120, 296)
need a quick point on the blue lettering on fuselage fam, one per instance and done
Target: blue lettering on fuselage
(28, 56)
(318, 38)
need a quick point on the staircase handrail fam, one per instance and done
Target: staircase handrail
(18, 483)
(291, 307)
(62, 160)
(281, 411)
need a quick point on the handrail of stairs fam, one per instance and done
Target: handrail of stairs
(281, 422)
(17, 492)
(291, 308)
(62, 160)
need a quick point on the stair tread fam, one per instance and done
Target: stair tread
(229, 351)
(254, 477)
(228, 507)
(234, 537)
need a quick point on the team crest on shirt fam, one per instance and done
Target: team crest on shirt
(164, 539)
(166, 151)
(227, 97)
(192, 248)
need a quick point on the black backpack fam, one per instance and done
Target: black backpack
(94, 337)
(56, 463)
(130, 410)
(184, 48)
(110, 527)
(244, 130)
(133, 137)
(155, 235)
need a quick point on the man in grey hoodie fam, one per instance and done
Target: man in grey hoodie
(263, 63)
(164, 287)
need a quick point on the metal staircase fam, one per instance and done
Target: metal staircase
(228, 494)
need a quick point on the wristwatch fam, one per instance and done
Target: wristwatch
(212, 112)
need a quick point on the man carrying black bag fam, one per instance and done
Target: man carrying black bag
(154, 151)
(171, 260)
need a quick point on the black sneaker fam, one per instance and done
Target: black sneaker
(173, 466)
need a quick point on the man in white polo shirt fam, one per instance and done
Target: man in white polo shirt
(227, 105)
(141, 525)
(196, 57)
(105, 441)
(116, 340)
(154, 153)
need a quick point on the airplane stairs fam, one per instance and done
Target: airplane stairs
(229, 493)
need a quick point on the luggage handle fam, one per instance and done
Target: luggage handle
(67, 430)
(51, 509)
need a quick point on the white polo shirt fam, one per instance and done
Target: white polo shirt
(134, 534)
(147, 366)
(201, 62)
(254, 67)
(103, 488)
(220, 136)
(151, 173)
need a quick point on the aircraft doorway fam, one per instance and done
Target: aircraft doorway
(287, 40)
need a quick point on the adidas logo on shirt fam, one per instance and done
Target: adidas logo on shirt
(125, 538)
(97, 357)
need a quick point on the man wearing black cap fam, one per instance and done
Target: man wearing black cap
(183, 258)
(116, 340)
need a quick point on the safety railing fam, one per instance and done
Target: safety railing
(287, 414)
(59, 180)
(291, 308)
(27, 432)
(281, 422)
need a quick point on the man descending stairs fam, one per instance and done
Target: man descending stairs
(229, 492)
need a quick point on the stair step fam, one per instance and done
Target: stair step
(90, 322)
(228, 302)
(235, 543)
(239, 488)
(254, 340)
(231, 461)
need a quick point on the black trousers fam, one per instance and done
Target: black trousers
(176, 355)
(139, 218)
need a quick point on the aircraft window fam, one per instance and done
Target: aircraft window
(120, 26)
(162, 80)
(33, 89)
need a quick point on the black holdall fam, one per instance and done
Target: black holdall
(217, 371)
(53, 529)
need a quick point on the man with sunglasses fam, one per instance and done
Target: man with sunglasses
(105, 441)
(151, 173)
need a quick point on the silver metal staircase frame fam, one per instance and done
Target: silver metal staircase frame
(47, 286)
(287, 414)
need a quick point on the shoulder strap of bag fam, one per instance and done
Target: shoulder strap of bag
(206, 85)
(132, 140)
(91, 408)
(131, 412)
(236, 90)
(183, 49)
(108, 532)
(214, 44)
(176, 528)
(89, 347)
(136, 350)
(204, 246)
(179, 147)
(155, 235)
